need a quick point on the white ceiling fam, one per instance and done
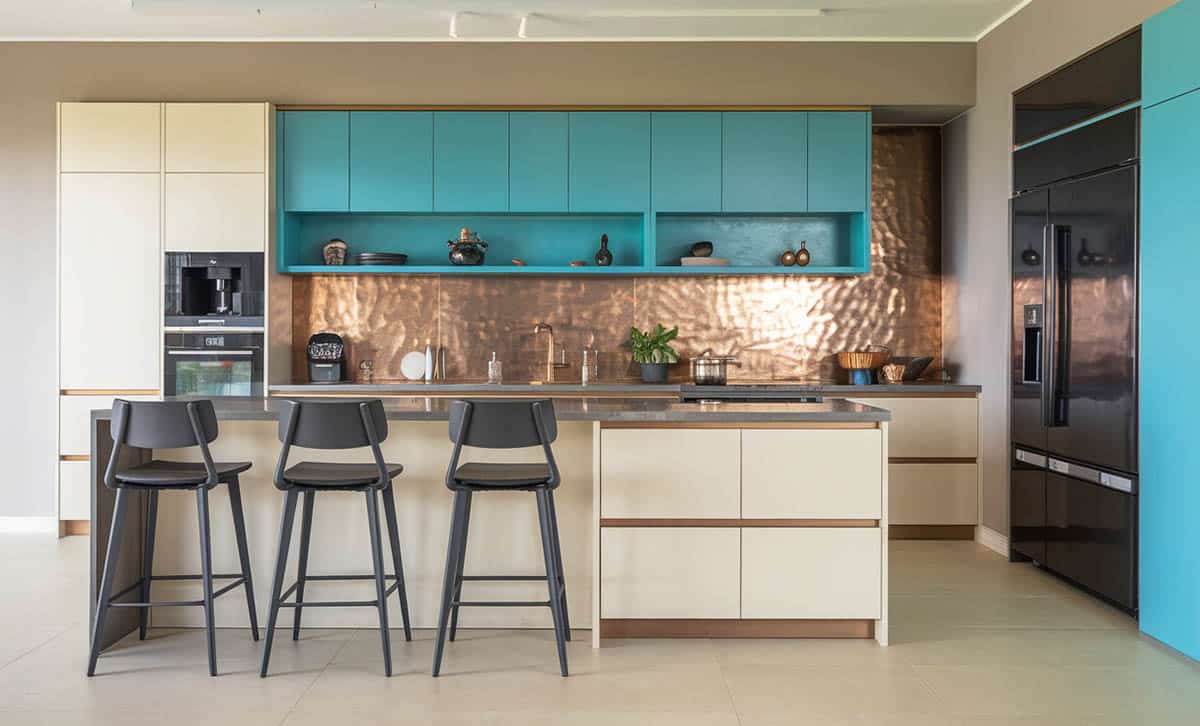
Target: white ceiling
(501, 20)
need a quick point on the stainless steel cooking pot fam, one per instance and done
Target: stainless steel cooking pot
(709, 369)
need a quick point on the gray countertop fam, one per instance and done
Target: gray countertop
(608, 410)
(609, 389)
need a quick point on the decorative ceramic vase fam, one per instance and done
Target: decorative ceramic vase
(334, 252)
(802, 255)
(604, 258)
(788, 258)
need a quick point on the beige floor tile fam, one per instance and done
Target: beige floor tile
(828, 692)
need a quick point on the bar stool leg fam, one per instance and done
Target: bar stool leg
(562, 579)
(462, 560)
(239, 530)
(389, 512)
(380, 581)
(448, 579)
(206, 579)
(110, 564)
(148, 563)
(285, 538)
(552, 582)
(310, 500)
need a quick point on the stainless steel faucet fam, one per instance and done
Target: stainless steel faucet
(550, 363)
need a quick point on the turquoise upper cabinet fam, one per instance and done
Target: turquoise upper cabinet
(686, 161)
(316, 161)
(537, 152)
(1170, 52)
(1168, 495)
(609, 161)
(391, 161)
(765, 167)
(838, 161)
(470, 161)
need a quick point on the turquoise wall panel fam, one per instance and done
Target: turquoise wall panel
(316, 168)
(838, 161)
(538, 239)
(470, 161)
(757, 240)
(609, 161)
(765, 161)
(537, 150)
(1169, 497)
(391, 161)
(1171, 53)
(686, 161)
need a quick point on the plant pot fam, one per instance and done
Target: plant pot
(654, 372)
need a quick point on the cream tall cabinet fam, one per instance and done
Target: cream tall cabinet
(135, 179)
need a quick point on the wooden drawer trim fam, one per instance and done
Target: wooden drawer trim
(932, 531)
(829, 523)
(650, 628)
(109, 392)
(932, 460)
(74, 457)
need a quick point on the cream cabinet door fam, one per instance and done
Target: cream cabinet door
(110, 137)
(215, 212)
(931, 427)
(669, 572)
(812, 474)
(216, 137)
(933, 494)
(75, 420)
(824, 573)
(670, 473)
(74, 490)
(110, 270)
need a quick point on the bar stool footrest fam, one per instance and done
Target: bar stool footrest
(336, 603)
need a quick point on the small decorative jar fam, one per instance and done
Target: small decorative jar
(604, 258)
(802, 255)
(334, 252)
(468, 249)
(788, 258)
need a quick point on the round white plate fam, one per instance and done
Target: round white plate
(412, 365)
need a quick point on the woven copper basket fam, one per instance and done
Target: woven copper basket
(870, 359)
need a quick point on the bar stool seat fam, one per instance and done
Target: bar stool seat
(177, 474)
(502, 476)
(334, 475)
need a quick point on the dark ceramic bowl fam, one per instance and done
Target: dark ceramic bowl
(703, 248)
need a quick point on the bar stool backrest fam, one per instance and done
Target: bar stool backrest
(162, 425)
(332, 425)
(503, 425)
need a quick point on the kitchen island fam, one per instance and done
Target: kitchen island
(677, 519)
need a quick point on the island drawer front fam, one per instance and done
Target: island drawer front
(931, 427)
(75, 421)
(811, 573)
(669, 572)
(933, 494)
(670, 473)
(812, 474)
(74, 490)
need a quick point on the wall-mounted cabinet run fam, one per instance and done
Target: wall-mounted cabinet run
(543, 186)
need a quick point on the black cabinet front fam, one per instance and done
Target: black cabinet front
(1090, 537)
(1027, 511)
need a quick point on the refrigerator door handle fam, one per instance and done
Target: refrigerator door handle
(1049, 322)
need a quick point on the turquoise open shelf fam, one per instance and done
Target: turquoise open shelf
(544, 186)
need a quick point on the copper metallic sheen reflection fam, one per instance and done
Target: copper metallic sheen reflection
(781, 326)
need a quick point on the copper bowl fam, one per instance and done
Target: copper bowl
(870, 359)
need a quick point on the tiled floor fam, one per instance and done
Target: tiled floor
(975, 641)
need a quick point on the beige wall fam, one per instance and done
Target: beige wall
(976, 156)
(35, 75)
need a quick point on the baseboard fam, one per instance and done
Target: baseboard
(931, 531)
(992, 539)
(29, 525)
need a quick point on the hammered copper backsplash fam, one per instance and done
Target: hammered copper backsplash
(781, 327)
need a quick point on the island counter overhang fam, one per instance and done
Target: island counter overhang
(780, 509)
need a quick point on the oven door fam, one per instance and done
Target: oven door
(208, 365)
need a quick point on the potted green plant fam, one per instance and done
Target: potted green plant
(652, 350)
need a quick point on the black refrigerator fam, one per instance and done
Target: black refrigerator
(1074, 483)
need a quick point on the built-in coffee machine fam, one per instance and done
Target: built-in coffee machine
(214, 289)
(214, 324)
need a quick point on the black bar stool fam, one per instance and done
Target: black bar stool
(170, 425)
(336, 425)
(502, 425)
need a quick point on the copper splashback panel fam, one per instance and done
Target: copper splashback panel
(782, 327)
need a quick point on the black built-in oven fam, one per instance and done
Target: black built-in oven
(213, 363)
